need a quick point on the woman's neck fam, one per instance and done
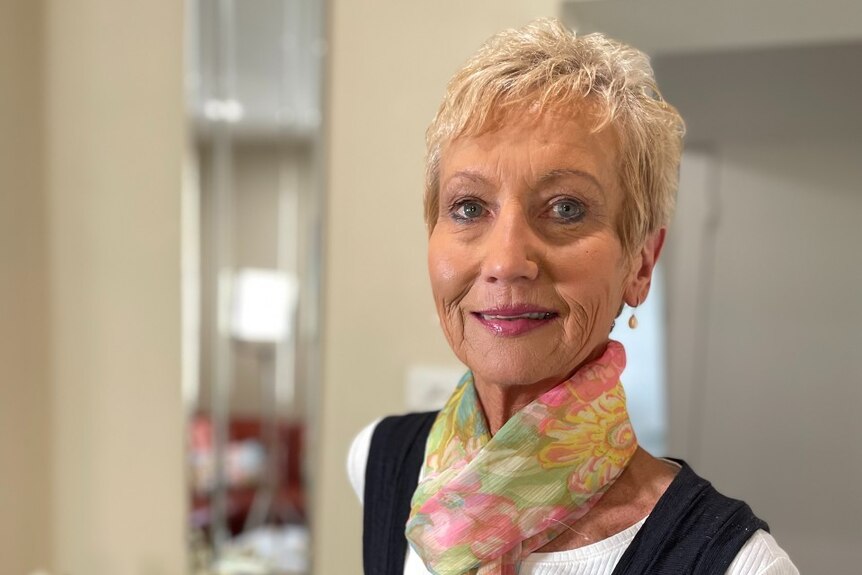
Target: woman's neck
(501, 400)
(500, 403)
(631, 498)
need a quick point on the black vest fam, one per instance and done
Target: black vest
(692, 529)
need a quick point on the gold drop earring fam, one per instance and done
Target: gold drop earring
(633, 320)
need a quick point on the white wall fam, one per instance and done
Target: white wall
(784, 384)
(765, 267)
(389, 63)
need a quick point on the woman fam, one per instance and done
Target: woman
(551, 174)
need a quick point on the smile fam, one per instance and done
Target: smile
(513, 322)
(539, 315)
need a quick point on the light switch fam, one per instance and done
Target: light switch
(428, 386)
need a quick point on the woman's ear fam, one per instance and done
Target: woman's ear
(642, 268)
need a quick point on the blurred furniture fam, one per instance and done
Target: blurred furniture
(246, 469)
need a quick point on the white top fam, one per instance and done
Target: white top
(761, 555)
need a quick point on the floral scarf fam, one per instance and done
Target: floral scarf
(484, 503)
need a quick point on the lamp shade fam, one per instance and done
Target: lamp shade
(263, 305)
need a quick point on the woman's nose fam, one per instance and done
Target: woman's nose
(510, 248)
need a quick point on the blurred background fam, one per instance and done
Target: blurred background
(212, 268)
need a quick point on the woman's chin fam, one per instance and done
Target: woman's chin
(507, 371)
(540, 364)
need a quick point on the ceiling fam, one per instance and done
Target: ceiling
(766, 93)
(685, 26)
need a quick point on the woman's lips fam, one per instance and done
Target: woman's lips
(515, 320)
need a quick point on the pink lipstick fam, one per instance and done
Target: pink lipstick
(510, 321)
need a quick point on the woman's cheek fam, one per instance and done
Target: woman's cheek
(450, 276)
(444, 287)
(444, 265)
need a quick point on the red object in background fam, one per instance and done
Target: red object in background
(288, 505)
(201, 432)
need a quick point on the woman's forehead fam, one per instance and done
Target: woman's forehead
(590, 114)
(551, 141)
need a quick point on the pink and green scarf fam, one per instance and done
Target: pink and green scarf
(484, 503)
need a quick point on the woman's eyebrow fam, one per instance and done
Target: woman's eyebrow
(566, 172)
(470, 174)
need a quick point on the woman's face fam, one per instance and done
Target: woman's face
(526, 266)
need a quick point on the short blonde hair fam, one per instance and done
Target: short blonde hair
(544, 64)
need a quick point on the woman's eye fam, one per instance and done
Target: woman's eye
(568, 210)
(468, 210)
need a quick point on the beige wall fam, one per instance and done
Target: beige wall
(114, 147)
(389, 64)
(91, 140)
(24, 420)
